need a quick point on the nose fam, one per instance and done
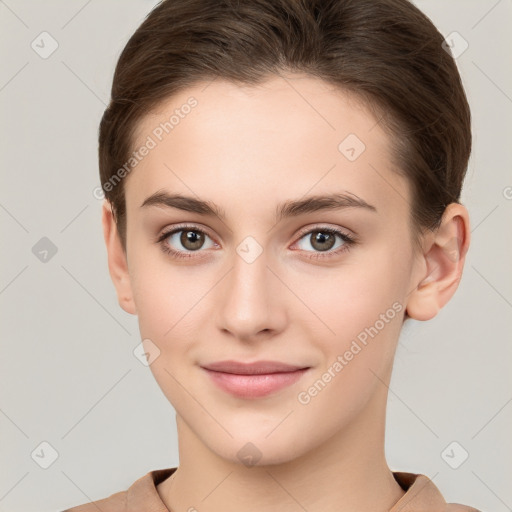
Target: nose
(251, 301)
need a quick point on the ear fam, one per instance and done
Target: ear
(117, 261)
(442, 262)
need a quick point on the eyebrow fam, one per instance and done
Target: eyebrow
(290, 208)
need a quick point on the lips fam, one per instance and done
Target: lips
(256, 368)
(253, 380)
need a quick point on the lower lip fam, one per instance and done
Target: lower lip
(254, 386)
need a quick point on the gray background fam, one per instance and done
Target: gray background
(69, 376)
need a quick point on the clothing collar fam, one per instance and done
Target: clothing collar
(421, 494)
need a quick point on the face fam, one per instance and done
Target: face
(318, 285)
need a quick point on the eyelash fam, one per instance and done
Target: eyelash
(349, 241)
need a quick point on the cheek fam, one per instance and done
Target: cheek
(353, 297)
(172, 305)
(361, 307)
(167, 301)
(357, 358)
(166, 295)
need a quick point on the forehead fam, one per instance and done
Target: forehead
(281, 139)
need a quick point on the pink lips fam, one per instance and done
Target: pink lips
(253, 380)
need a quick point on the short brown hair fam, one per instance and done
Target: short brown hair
(387, 52)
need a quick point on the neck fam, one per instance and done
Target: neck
(348, 472)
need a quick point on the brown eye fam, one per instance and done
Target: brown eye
(192, 240)
(322, 240)
(185, 240)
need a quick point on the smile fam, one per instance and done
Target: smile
(254, 380)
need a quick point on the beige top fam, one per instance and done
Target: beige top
(421, 496)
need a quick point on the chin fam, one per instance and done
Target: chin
(257, 450)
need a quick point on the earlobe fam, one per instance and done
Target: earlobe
(442, 264)
(117, 262)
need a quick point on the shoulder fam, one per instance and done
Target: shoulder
(422, 495)
(114, 503)
(457, 507)
(141, 495)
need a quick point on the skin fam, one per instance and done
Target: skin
(247, 149)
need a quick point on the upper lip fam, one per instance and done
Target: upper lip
(256, 368)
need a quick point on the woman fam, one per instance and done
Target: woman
(241, 138)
